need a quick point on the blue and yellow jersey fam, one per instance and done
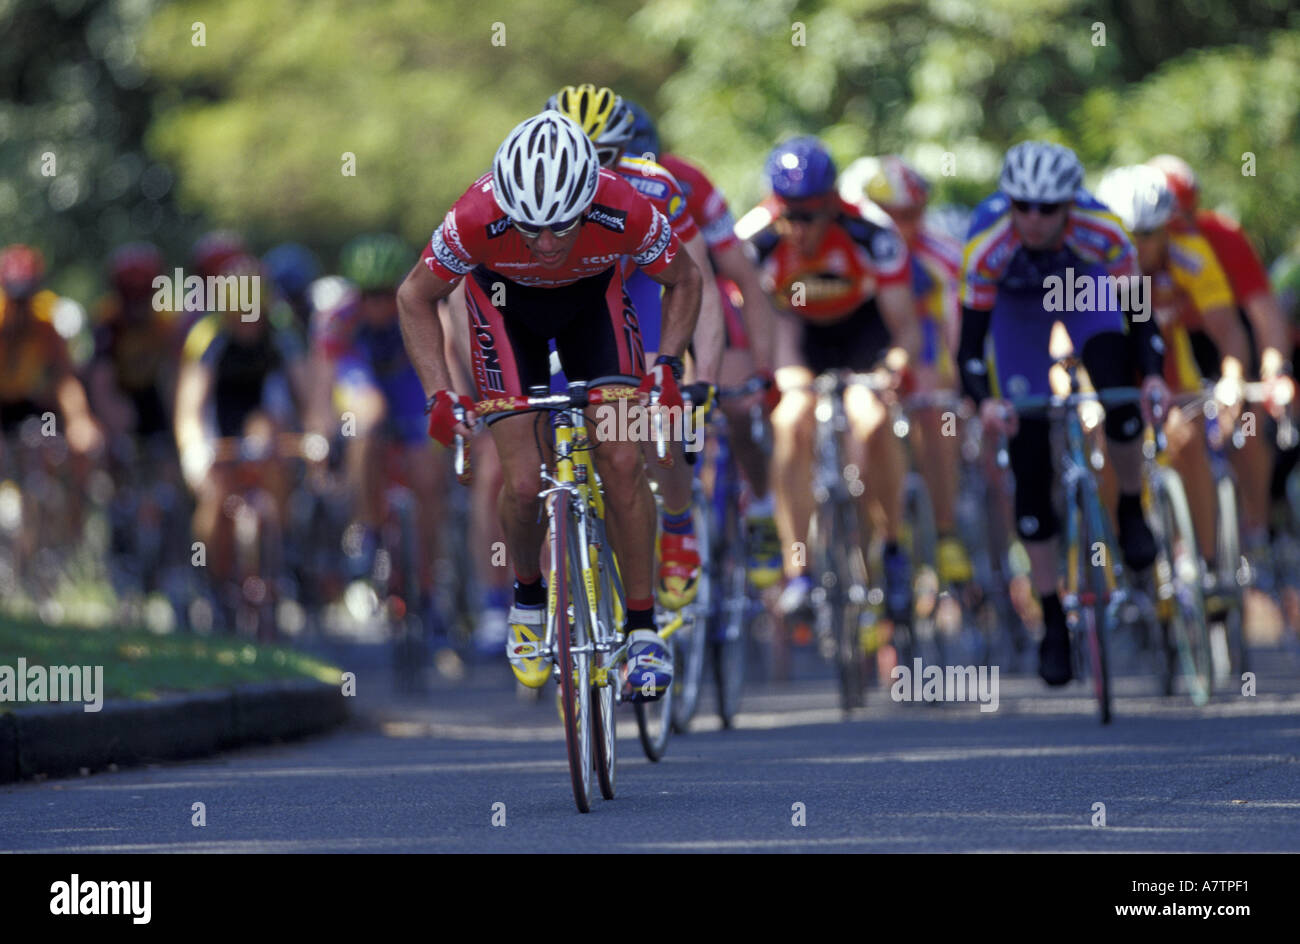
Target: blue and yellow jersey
(995, 259)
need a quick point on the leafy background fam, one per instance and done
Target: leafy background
(158, 138)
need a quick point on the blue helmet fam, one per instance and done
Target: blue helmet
(292, 267)
(645, 137)
(800, 168)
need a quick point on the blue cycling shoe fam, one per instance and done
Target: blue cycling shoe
(649, 669)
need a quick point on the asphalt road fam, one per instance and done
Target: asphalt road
(425, 774)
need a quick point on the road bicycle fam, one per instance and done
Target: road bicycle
(586, 605)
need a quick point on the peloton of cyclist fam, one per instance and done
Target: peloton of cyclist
(748, 349)
(897, 188)
(609, 122)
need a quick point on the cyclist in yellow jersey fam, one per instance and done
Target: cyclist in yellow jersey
(890, 184)
(1190, 290)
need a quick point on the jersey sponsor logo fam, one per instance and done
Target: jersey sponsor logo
(445, 256)
(675, 207)
(601, 260)
(658, 238)
(452, 235)
(654, 189)
(608, 217)
(498, 227)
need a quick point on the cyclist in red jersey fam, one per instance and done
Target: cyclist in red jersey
(541, 238)
(845, 283)
(608, 121)
(1263, 315)
(749, 331)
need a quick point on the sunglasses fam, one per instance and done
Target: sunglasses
(1044, 209)
(802, 216)
(559, 229)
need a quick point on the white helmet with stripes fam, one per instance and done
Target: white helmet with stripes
(546, 171)
(1139, 195)
(1037, 170)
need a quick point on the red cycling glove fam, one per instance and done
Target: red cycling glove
(661, 376)
(442, 421)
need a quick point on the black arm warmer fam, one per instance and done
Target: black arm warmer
(970, 354)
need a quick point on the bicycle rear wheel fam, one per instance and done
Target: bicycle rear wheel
(568, 628)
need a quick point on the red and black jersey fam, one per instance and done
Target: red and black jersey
(619, 222)
(855, 259)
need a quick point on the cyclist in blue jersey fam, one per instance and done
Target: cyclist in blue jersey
(1042, 225)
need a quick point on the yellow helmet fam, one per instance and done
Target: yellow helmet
(604, 117)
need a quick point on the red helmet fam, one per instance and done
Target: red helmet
(133, 267)
(22, 269)
(1181, 179)
(214, 250)
(897, 186)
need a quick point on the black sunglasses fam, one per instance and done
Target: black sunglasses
(1044, 209)
(802, 216)
(559, 229)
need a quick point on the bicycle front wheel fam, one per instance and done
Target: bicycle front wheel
(567, 619)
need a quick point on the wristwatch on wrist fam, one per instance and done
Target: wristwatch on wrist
(674, 364)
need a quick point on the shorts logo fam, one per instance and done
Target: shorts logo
(608, 217)
(498, 227)
(487, 363)
(654, 189)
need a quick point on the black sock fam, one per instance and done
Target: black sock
(640, 619)
(1053, 612)
(1130, 505)
(530, 594)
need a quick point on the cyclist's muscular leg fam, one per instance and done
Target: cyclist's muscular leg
(517, 504)
(1108, 358)
(792, 458)
(1251, 464)
(1189, 456)
(884, 457)
(629, 511)
(737, 367)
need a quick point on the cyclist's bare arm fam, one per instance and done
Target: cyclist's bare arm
(1265, 314)
(683, 286)
(81, 429)
(710, 333)
(760, 319)
(1225, 330)
(897, 305)
(192, 389)
(417, 308)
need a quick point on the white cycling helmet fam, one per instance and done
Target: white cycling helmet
(1037, 170)
(546, 171)
(1139, 195)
